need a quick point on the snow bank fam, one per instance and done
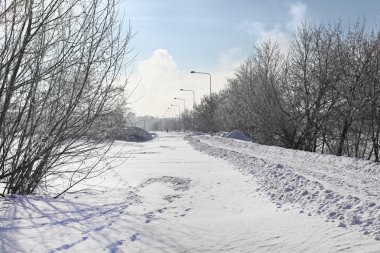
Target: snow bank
(236, 134)
(195, 133)
(136, 134)
(343, 190)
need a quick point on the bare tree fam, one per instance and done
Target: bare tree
(204, 114)
(354, 62)
(312, 72)
(256, 99)
(60, 63)
(371, 105)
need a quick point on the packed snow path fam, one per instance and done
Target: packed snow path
(345, 175)
(342, 189)
(167, 197)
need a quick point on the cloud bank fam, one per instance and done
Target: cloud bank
(161, 80)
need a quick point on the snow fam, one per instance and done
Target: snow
(168, 197)
(341, 189)
(236, 134)
(136, 134)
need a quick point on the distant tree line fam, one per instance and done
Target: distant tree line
(60, 92)
(323, 95)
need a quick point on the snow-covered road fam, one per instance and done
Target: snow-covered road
(168, 197)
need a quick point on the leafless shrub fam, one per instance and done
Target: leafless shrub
(60, 63)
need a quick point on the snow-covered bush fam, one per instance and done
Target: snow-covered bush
(59, 73)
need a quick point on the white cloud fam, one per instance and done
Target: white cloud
(230, 59)
(262, 33)
(159, 67)
(281, 33)
(158, 75)
(161, 81)
(298, 14)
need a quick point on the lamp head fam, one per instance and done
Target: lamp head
(192, 72)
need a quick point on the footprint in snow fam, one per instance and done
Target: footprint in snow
(68, 245)
(114, 247)
(170, 198)
(161, 210)
(149, 216)
(134, 237)
(99, 228)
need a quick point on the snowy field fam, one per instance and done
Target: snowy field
(233, 196)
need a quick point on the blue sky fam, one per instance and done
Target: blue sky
(174, 37)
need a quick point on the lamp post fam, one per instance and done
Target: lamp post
(179, 115)
(184, 102)
(165, 121)
(205, 73)
(175, 115)
(162, 118)
(192, 115)
(193, 95)
(184, 108)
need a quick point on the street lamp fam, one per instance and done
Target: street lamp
(184, 102)
(179, 115)
(184, 108)
(175, 115)
(192, 115)
(193, 95)
(205, 73)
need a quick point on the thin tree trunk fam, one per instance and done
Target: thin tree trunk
(343, 137)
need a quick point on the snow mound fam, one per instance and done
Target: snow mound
(136, 134)
(195, 133)
(236, 134)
